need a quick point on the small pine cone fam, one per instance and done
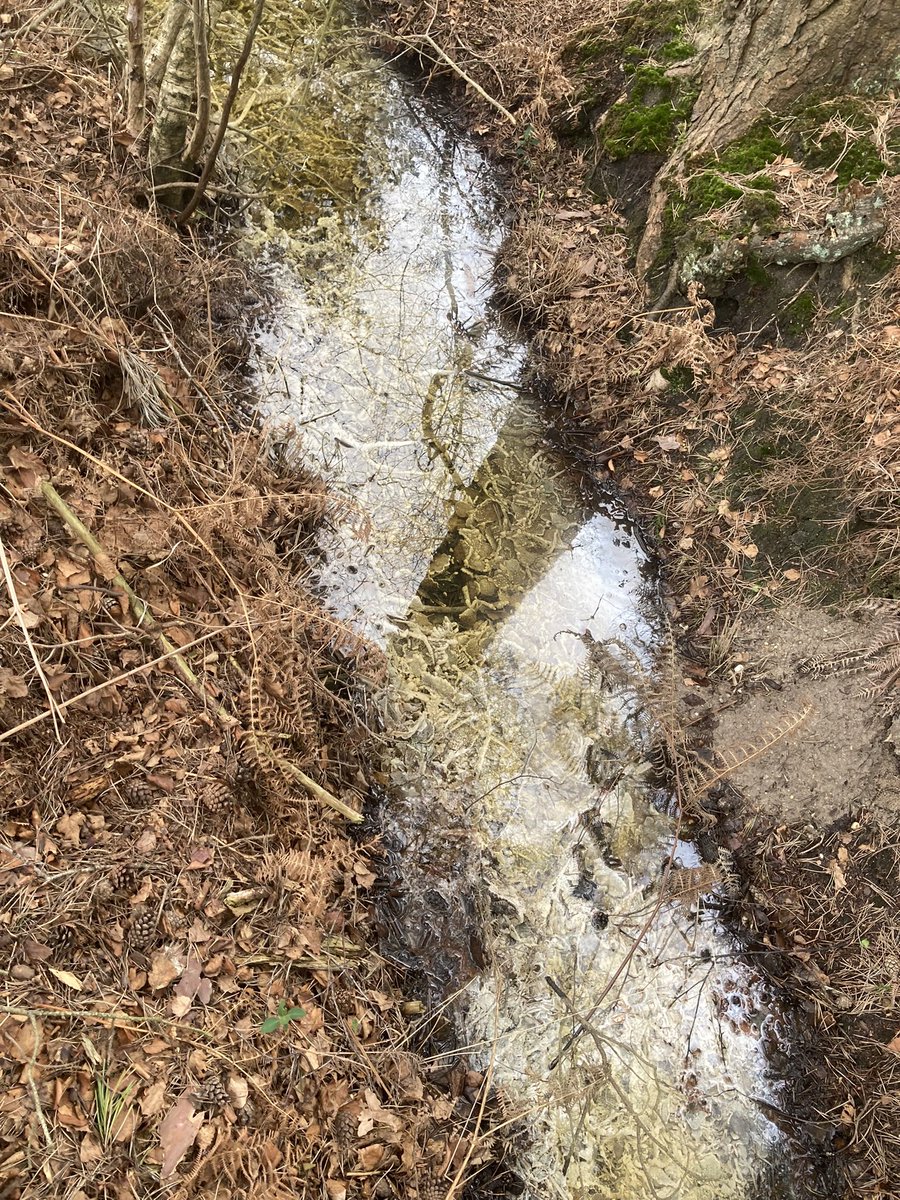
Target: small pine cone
(217, 796)
(62, 940)
(137, 441)
(143, 926)
(344, 1128)
(138, 791)
(432, 1187)
(211, 1093)
(29, 541)
(344, 999)
(247, 1114)
(123, 877)
(244, 782)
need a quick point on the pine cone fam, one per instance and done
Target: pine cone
(62, 940)
(137, 441)
(344, 999)
(138, 791)
(211, 1093)
(123, 877)
(217, 795)
(344, 1128)
(432, 1187)
(30, 541)
(143, 926)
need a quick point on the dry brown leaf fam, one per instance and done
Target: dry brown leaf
(370, 1156)
(336, 1189)
(153, 1101)
(238, 1091)
(90, 1150)
(67, 978)
(177, 1132)
(163, 970)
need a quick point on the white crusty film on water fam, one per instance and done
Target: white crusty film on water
(510, 612)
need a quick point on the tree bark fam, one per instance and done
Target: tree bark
(136, 90)
(764, 56)
(767, 54)
(166, 38)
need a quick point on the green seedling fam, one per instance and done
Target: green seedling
(282, 1018)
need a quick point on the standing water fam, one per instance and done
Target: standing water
(619, 1024)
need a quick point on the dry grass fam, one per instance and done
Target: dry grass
(167, 885)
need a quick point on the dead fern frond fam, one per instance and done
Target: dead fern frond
(734, 760)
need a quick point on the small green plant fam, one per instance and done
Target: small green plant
(282, 1018)
(110, 1103)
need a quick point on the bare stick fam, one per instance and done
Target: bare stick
(311, 786)
(139, 607)
(454, 66)
(136, 100)
(99, 687)
(20, 617)
(201, 50)
(210, 163)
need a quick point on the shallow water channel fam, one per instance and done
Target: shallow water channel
(517, 616)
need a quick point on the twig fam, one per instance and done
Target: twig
(236, 74)
(32, 1084)
(141, 610)
(454, 66)
(20, 617)
(8, 733)
(139, 607)
(310, 784)
(136, 84)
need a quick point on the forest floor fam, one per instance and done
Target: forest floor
(765, 461)
(190, 990)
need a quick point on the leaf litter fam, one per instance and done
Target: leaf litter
(191, 990)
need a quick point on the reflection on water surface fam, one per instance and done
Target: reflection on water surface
(509, 609)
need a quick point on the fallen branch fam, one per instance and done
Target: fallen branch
(428, 40)
(23, 625)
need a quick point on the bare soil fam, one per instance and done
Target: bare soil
(839, 761)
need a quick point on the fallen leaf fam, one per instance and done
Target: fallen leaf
(153, 1100)
(668, 441)
(177, 1132)
(163, 970)
(370, 1156)
(67, 978)
(336, 1189)
(894, 1044)
(837, 875)
(188, 985)
(238, 1091)
(90, 1150)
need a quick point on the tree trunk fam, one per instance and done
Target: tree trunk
(768, 54)
(159, 56)
(765, 56)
